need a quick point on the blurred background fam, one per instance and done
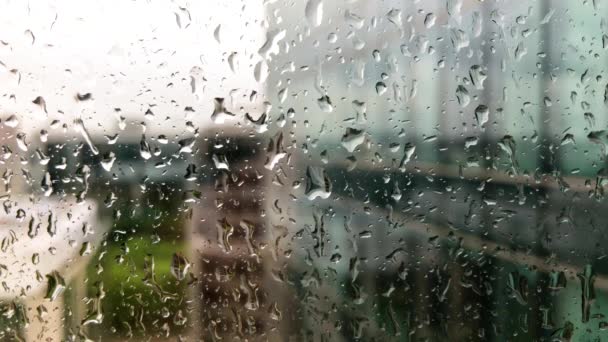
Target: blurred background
(311, 170)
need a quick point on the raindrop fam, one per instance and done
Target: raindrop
(520, 51)
(482, 115)
(179, 266)
(478, 76)
(271, 46)
(459, 39)
(462, 95)
(407, 156)
(79, 126)
(220, 162)
(84, 97)
(318, 183)
(260, 122)
(353, 19)
(589, 119)
(217, 33)
(144, 148)
(394, 16)
(185, 145)
(352, 138)
(21, 143)
(324, 103)
(507, 144)
(396, 194)
(470, 142)
(275, 151)
(220, 113)
(12, 121)
(429, 20)
(40, 102)
(108, 160)
(568, 139)
(380, 88)
(587, 278)
(261, 71)
(314, 12)
(55, 285)
(224, 232)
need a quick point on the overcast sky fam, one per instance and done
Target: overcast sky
(126, 54)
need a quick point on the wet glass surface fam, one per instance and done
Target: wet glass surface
(310, 170)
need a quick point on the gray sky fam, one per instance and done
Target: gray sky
(125, 53)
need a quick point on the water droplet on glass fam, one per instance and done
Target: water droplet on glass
(589, 119)
(352, 138)
(429, 20)
(407, 156)
(520, 51)
(21, 143)
(314, 12)
(12, 121)
(482, 115)
(274, 151)
(220, 162)
(478, 76)
(41, 103)
(324, 103)
(587, 278)
(380, 88)
(462, 96)
(271, 46)
(55, 285)
(108, 160)
(353, 19)
(79, 126)
(144, 148)
(224, 232)
(220, 113)
(318, 183)
(179, 266)
(394, 16)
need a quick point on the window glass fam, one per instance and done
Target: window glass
(307, 170)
